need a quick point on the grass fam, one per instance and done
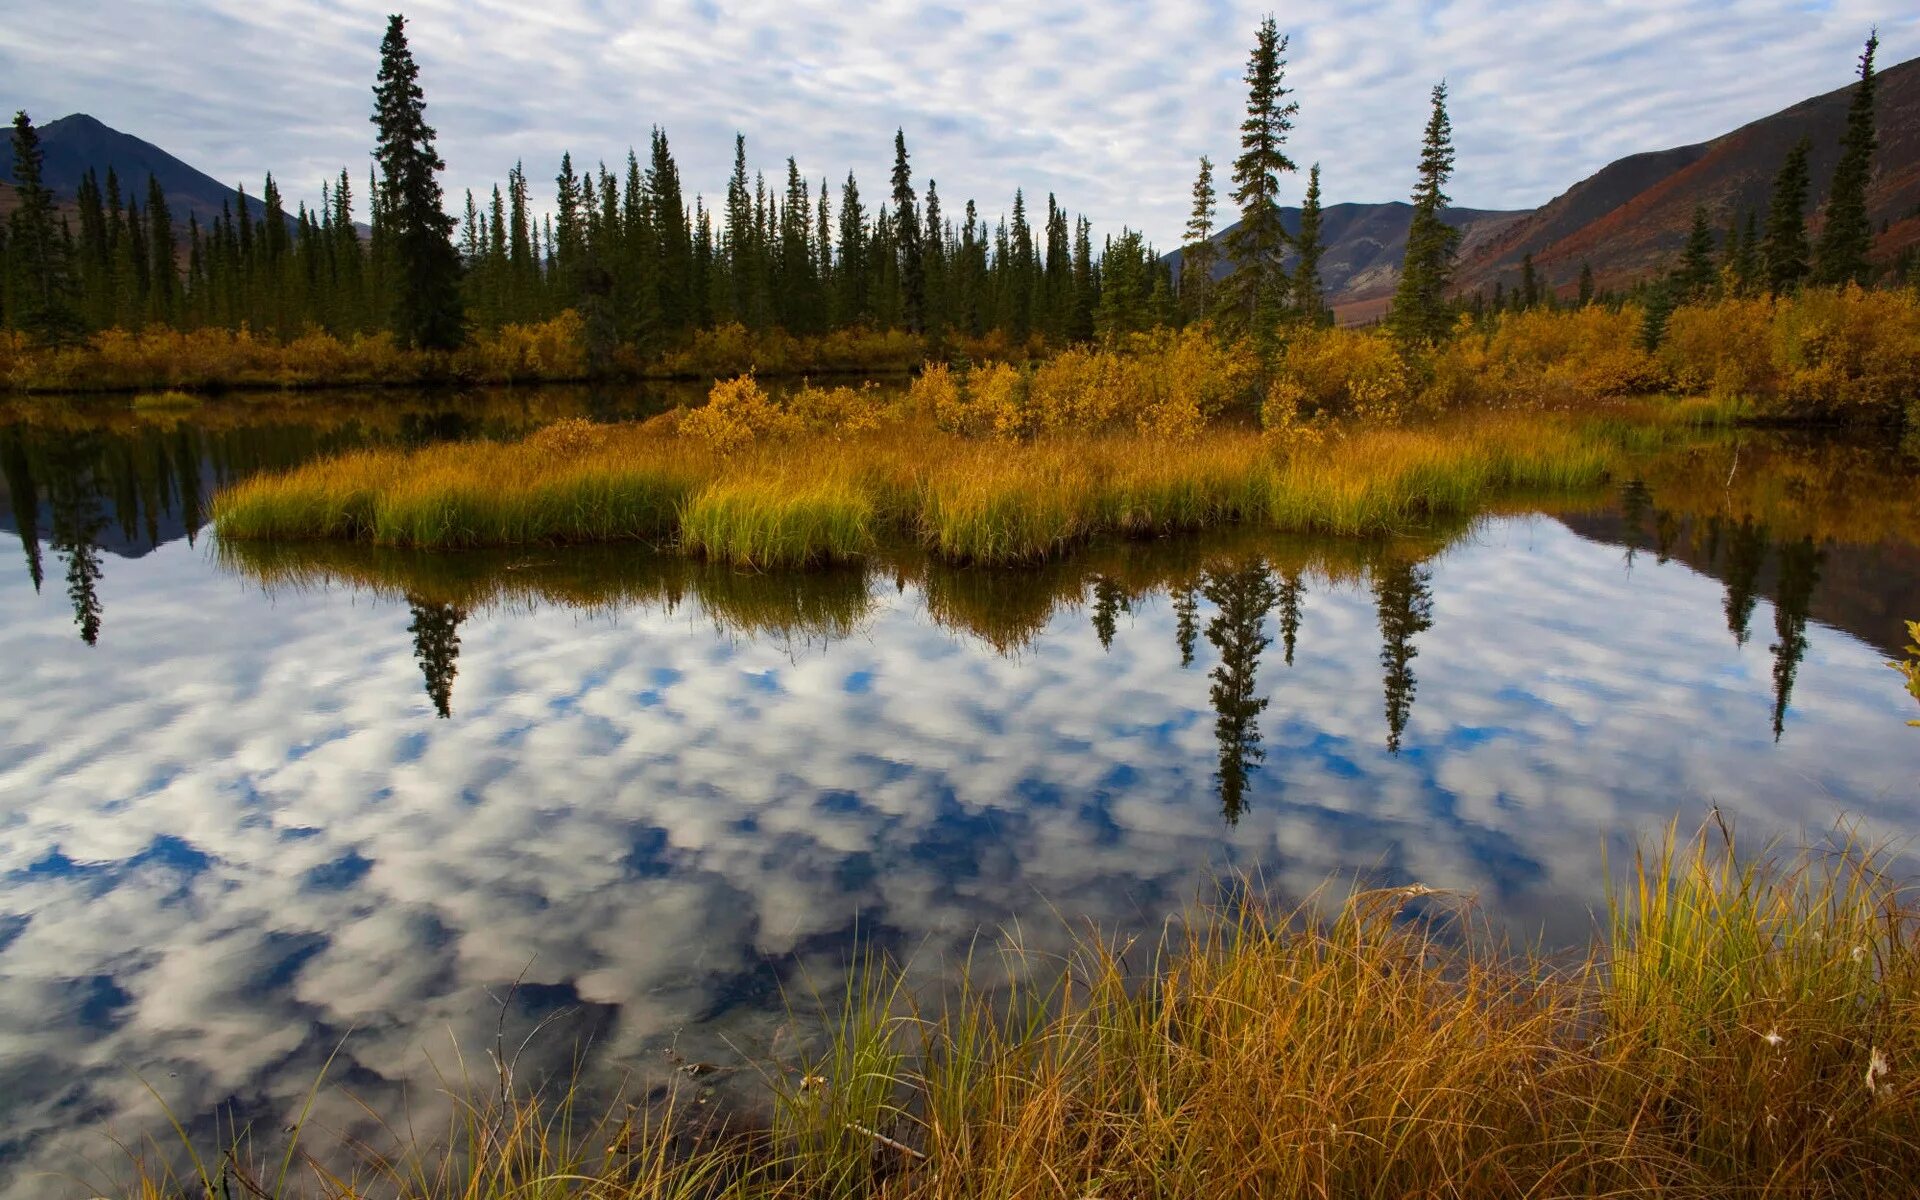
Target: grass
(170, 398)
(819, 499)
(1740, 1026)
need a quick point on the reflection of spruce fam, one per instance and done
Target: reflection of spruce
(73, 496)
(25, 499)
(1109, 601)
(1635, 500)
(1243, 597)
(1746, 554)
(1186, 611)
(1793, 599)
(1405, 605)
(436, 643)
(1292, 600)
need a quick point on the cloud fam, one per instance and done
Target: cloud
(1106, 105)
(235, 830)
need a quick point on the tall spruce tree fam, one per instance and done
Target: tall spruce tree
(40, 283)
(1420, 313)
(427, 310)
(1308, 306)
(1847, 237)
(1254, 293)
(906, 239)
(1199, 254)
(1783, 253)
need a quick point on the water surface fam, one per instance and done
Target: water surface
(257, 803)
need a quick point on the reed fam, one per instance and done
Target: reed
(1741, 1025)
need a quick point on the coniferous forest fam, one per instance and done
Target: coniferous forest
(616, 270)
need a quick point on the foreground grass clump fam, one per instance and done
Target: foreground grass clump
(1743, 1027)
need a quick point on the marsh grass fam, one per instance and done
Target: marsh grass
(810, 500)
(169, 399)
(1740, 1026)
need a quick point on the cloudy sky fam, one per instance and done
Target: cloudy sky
(1106, 104)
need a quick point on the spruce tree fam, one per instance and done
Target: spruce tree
(1529, 283)
(427, 286)
(852, 302)
(41, 281)
(162, 272)
(1695, 279)
(906, 239)
(1783, 253)
(1586, 284)
(1419, 313)
(1847, 238)
(1199, 254)
(1255, 291)
(1308, 305)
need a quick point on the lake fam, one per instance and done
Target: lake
(264, 805)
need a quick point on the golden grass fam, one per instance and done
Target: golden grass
(1740, 1027)
(172, 398)
(808, 499)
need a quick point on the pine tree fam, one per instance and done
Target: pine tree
(1586, 284)
(1783, 253)
(906, 239)
(1847, 238)
(1419, 312)
(1255, 291)
(427, 287)
(162, 272)
(855, 272)
(1529, 283)
(40, 283)
(1308, 305)
(1199, 254)
(1695, 279)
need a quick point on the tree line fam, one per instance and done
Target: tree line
(644, 268)
(627, 250)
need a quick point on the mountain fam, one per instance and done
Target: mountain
(1630, 218)
(1365, 243)
(74, 143)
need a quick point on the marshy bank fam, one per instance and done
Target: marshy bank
(1741, 1025)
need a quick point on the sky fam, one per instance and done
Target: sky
(1106, 104)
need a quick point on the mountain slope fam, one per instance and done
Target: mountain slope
(74, 143)
(1366, 242)
(1630, 219)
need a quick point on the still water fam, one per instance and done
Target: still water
(261, 804)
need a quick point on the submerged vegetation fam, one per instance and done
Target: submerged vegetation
(1740, 1026)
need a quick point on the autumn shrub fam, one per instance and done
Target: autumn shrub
(568, 438)
(738, 413)
(840, 411)
(1347, 373)
(1552, 358)
(1850, 355)
(990, 401)
(1724, 349)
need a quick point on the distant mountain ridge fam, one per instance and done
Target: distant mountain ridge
(77, 142)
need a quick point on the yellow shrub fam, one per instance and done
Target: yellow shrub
(1347, 372)
(1582, 354)
(569, 437)
(935, 393)
(1722, 349)
(839, 410)
(1849, 354)
(736, 415)
(996, 404)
